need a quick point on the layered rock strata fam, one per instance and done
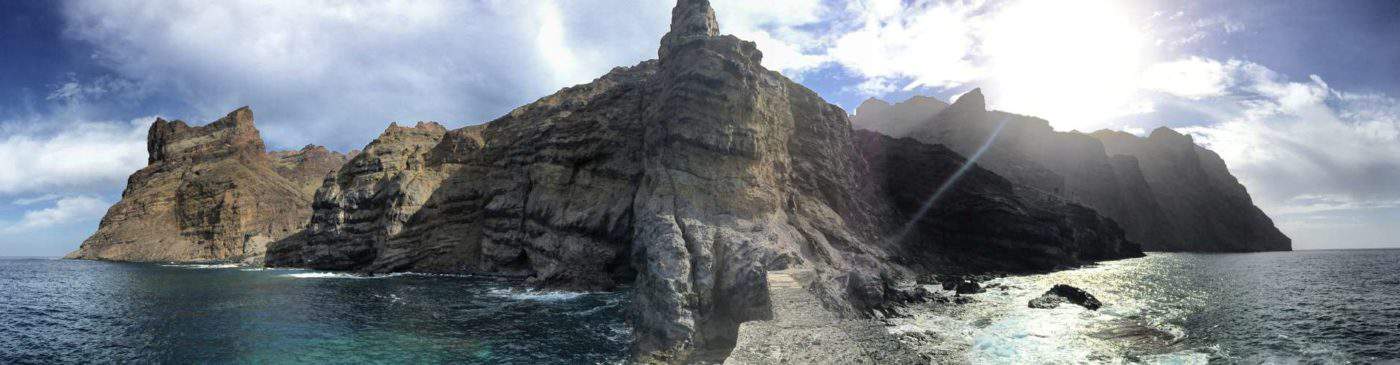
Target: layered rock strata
(209, 193)
(1138, 183)
(688, 177)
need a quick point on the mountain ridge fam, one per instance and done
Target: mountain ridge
(1127, 178)
(686, 178)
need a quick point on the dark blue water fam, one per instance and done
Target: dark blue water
(84, 311)
(1297, 307)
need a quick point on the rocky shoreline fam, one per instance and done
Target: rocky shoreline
(696, 179)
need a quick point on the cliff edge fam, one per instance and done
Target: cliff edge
(209, 193)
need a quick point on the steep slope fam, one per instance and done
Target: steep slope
(688, 177)
(1072, 166)
(208, 193)
(1209, 208)
(900, 119)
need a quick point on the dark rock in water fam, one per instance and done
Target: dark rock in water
(969, 287)
(689, 177)
(951, 283)
(1061, 293)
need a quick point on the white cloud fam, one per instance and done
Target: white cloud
(1303, 147)
(776, 26)
(65, 210)
(334, 72)
(922, 44)
(1192, 78)
(71, 155)
(37, 199)
(337, 72)
(1074, 63)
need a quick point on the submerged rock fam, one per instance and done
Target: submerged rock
(1061, 293)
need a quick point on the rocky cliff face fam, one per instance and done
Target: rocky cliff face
(1207, 206)
(1110, 176)
(687, 177)
(209, 193)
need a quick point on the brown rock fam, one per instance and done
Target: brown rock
(210, 193)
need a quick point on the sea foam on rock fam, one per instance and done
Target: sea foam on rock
(689, 178)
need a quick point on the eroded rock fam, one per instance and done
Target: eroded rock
(1061, 293)
(209, 193)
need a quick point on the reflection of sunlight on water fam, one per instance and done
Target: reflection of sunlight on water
(1140, 321)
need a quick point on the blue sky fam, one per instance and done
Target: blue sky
(1297, 96)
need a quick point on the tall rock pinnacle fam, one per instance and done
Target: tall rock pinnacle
(690, 20)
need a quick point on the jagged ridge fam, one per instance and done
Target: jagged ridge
(1166, 192)
(209, 193)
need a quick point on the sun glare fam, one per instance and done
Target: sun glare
(1074, 63)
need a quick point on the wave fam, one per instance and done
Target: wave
(335, 275)
(536, 295)
(204, 266)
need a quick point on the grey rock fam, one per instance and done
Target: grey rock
(1165, 193)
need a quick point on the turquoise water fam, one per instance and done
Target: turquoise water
(1287, 307)
(84, 311)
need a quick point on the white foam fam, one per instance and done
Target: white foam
(536, 295)
(204, 266)
(334, 275)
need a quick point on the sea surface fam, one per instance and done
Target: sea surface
(1293, 307)
(1287, 307)
(64, 311)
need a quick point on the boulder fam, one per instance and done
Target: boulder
(1061, 293)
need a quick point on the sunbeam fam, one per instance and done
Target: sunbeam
(948, 184)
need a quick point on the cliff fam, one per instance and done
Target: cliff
(688, 177)
(1210, 210)
(1137, 183)
(209, 193)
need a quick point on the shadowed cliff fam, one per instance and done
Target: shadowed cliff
(1166, 192)
(688, 177)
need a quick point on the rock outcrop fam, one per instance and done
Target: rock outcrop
(209, 193)
(1135, 184)
(1061, 293)
(688, 177)
(1208, 208)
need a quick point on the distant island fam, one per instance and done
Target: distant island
(688, 178)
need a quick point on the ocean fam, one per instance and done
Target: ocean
(1287, 307)
(64, 311)
(1338, 306)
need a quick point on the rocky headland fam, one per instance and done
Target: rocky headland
(210, 193)
(690, 178)
(1166, 192)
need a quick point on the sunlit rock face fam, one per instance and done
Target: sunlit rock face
(687, 177)
(1164, 200)
(210, 193)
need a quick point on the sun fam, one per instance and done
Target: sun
(1074, 63)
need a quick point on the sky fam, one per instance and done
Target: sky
(1298, 97)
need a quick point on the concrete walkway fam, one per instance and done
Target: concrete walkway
(803, 332)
